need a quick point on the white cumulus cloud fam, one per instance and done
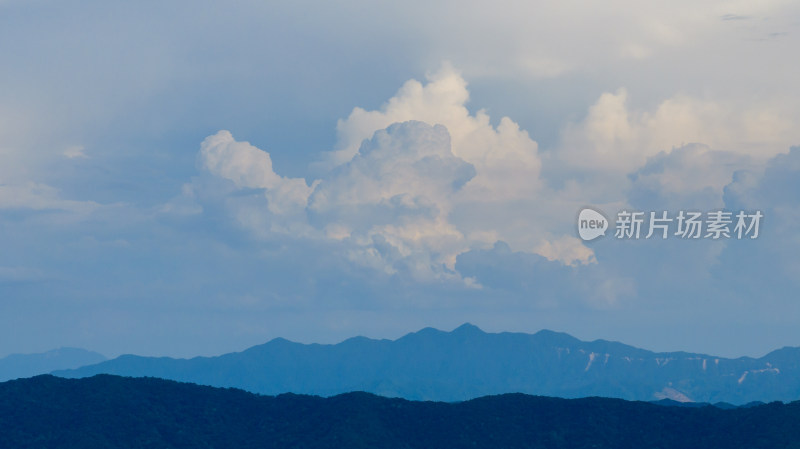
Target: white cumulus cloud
(249, 167)
(410, 187)
(506, 158)
(616, 137)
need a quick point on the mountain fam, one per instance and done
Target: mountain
(468, 363)
(115, 412)
(26, 365)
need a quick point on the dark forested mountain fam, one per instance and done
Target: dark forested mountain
(468, 363)
(26, 365)
(116, 412)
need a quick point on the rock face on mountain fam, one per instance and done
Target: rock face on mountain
(468, 363)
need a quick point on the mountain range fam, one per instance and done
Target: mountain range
(26, 365)
(467, 363)
(116, 412)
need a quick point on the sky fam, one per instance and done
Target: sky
(193, 178)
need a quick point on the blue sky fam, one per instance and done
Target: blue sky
(194, 177)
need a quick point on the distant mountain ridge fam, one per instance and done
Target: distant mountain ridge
(15, 366)
(466, 363)
(115, 412)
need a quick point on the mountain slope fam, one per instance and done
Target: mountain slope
(26, 365)
(467, 363)
(114, 412)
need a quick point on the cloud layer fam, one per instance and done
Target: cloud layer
(430, 202)
(425, 191)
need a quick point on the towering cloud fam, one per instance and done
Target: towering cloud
(412, 186)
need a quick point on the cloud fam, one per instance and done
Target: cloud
(389, 204)
(251, 168)
(775, 187)
(566, 249)
(421, 180)
(75, 151)
(424, 191)
(41, 197)
(613, 137)
(544, 282)
(412, 186)
(396, 193)
(505, 158)
(767, 266)
(409, 162)
(691, 177)
(684, 126)
(422, 195)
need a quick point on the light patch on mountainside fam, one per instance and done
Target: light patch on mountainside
(591, 360)
(673, 394)
(768, 369)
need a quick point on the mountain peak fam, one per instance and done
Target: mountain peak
(468, 328)
(555, 337)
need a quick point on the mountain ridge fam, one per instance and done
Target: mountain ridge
(467, 362)
(14, 366)
(117, 412)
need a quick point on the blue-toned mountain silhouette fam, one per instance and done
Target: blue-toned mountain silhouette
(468, 363)
(116, 412)
(26, 365)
